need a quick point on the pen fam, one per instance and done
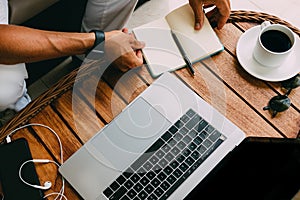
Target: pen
(183, 54)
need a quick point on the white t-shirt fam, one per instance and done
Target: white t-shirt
(12, 84)
(107, 15)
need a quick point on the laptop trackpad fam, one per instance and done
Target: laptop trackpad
(128, 135)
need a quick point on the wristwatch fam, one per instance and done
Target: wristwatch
(98, 47)
(100, 37)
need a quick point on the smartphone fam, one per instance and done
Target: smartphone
(12, 156)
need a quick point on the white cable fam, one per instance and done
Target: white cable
(62, 190)
(42, 125)
(56, 193)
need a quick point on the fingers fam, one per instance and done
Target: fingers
(223, 12)
(220, 14)
(129, 61)
(198, 13)
(123, 50)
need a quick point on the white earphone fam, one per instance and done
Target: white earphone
(47, 185)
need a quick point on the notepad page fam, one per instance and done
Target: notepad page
(161, 52)
(206, 41)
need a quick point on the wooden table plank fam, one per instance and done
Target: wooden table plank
(70, 143)
(81, 118)
(105, 101)
(128, 85)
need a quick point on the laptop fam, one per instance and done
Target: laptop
(161, 146)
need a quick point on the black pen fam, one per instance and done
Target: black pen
(183, 54)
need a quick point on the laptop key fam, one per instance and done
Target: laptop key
(150, 175)
(183, 167)
(155, 146)
(180, 158)
(148, 166)
(193, 122)
(177, 173)
(144, 181)
(125, 198)
(138, 187)
(181, 145)
(195, 155)
(169, 157)
(168, 170)
(198, 140)
(183, 131)
(179, 124)
(192, 146)
(209, 129)
(203, 135)
(158, 192)
(189, 161)
(187, 139)
(171, 179)
(174, 164)
(166, 136)
(131, 193)
(160, 154)
(165, 185)
(149, 188)
(107, 192)
(207, 143)
(118, 194)
(190, 113)
(155, 182)
(184, 118)
(175, 151)
(135, 178)
(142, 195)
(201, 149)
(173, 129)
(202, 124)
(161, 176)
(114, 186)
(215, 135)
(128, 184)
(121, 179)
(152, 197)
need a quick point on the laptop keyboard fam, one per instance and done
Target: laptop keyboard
(158, 172)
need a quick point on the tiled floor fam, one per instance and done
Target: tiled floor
(154, 9)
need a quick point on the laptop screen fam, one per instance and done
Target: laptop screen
(259, 168)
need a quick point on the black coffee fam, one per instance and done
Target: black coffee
(276, 41)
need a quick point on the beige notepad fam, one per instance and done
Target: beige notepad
(161, 52)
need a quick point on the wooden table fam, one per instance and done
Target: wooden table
(76, 112)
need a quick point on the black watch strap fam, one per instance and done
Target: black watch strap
(100, 37)
(98, 46)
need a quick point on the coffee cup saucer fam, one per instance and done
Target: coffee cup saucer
(244, 51)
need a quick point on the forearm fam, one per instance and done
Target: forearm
(20, 44)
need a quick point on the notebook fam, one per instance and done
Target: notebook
(159, 147)
(161, 52)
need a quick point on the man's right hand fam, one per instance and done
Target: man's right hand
(122, 50)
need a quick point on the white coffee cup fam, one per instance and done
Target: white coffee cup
(267, 50)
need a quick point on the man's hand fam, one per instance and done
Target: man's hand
(122, 50)
(219, 14)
